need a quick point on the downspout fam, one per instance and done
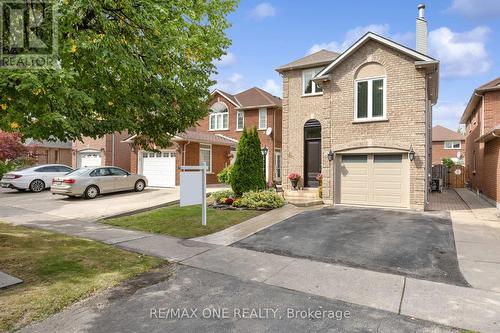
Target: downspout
(113, 150)
(482, 112)
(184, 152)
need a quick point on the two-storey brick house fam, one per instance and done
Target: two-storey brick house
(447, 144)
(363, 120)
(482, 140)
(251, 108)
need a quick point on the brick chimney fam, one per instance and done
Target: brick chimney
(421, 35)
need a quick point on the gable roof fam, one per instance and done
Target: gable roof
(320, 58)
(476, 96)
(251, 98)
(372, 36)
(195, 136)
(440, 133)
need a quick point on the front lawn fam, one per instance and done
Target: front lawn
(57, 271)
(183, 222)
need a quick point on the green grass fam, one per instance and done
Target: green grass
(183, 222)
(57, 271)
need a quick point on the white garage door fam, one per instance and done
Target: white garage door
(159, 168)
(90, 159)
(374, 179)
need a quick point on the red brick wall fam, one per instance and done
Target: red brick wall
(438, 152)
(53, 156)
(88, 143)
(491, 110)
(122, 151)
(491, 170)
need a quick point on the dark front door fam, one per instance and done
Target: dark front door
(312, 153)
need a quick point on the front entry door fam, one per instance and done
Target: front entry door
(312, 152)
(312, 162)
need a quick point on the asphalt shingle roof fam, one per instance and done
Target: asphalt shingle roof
(440, 133)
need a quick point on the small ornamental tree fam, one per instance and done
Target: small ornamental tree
(11, 146)
(247, 173)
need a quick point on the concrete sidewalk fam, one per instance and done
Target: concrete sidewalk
(481, 208)
(441, 303)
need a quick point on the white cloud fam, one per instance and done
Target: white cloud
(476, 9)
(461, 53)
(272, 87)
(448, 114)
(227, 59)
(232, 84)
(350, 38)
(263, 10)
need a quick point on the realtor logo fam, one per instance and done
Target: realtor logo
(28, 34)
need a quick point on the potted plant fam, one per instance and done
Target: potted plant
(294, 178)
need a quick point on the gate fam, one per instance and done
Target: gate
(457, 174)
(439, 171)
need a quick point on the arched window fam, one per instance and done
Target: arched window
(219, 115)
(371, 91)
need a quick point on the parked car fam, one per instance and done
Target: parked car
(36, 178)
(92, 181)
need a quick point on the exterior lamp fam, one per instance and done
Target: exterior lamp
(411, 153)
(330, 155)
(264, 151)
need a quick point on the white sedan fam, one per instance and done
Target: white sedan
(36, 178)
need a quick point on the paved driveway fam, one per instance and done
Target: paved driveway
(14, 203)
(419, 245)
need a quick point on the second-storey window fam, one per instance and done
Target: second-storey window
(452, 145)
(370, 99)
(240, 120)
(218, 118)
(262, 118)
(309, 87)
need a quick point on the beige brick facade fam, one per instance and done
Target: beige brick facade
(406, 100)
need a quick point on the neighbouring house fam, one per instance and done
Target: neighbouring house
(363, 119)
(447, 144)
(106, 150)
(161, 167)
(51, 152)
(482, 140)
(254, 107)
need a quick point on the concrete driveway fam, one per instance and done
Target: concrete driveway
(14, 203)
(419, 245)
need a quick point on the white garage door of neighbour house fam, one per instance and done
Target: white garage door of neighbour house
(159, 168)
(90, 159)
(374, 179)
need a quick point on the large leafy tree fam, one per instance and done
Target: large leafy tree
(141, 66)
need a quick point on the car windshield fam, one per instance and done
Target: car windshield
(78, 172)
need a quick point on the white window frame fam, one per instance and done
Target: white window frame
(277, 153)
(205, 147)
(214, 117)
(370, 116)
(453, 142)
(314, 71)
(262, 111)
(238, 127)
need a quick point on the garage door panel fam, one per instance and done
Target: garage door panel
(159, 169)
(375, 180)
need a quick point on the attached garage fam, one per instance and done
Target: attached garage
(89, 159)
(158, 167)
(378, 179)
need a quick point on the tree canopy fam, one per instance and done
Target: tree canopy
(124, 65)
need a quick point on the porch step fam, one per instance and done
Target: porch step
(304, 193)
(304, 202)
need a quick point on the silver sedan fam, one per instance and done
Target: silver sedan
(93, 181)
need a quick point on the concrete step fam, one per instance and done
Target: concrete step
(304, 202)
(309, 193)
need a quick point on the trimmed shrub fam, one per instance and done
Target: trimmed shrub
(261, 199)
(18, 163)
(247, 173)
(224, 176)
(448, 162)
(219, 196)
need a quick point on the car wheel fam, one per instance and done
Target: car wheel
(37, 186)
(91, 192)
(139, 185)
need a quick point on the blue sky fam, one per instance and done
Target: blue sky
(463, 35)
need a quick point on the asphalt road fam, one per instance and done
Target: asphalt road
(202, 301)
(419, 245)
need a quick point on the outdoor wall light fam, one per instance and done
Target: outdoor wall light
(411, 153)
(264, 151)
(330, 155)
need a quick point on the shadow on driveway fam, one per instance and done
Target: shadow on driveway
(414, 244)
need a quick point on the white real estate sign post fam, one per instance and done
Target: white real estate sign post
(194, 188)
